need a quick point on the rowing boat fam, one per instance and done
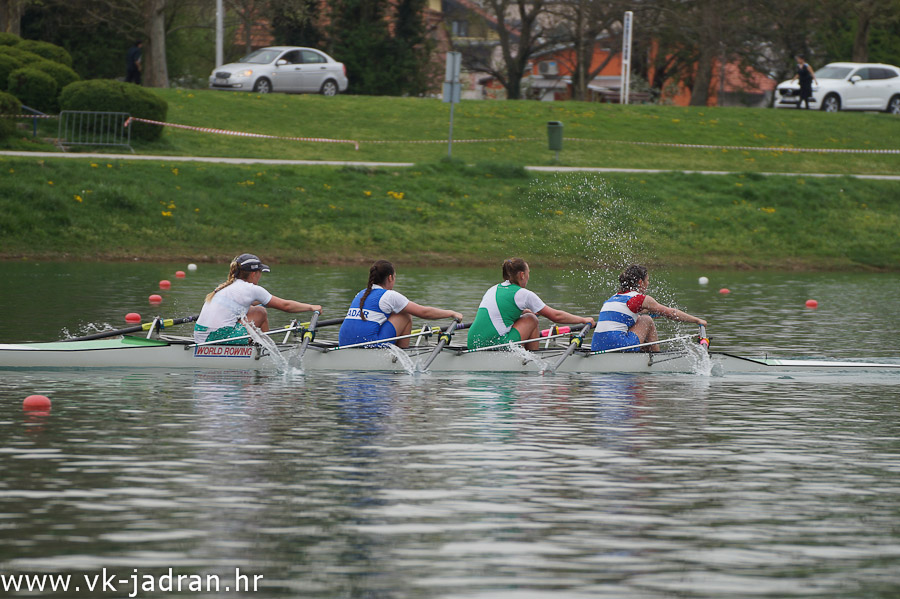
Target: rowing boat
(174, 352)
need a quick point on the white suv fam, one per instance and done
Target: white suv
(848, 86)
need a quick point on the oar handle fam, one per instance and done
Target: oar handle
(443, 340)
(169, 322)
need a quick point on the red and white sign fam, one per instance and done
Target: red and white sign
(223, 351)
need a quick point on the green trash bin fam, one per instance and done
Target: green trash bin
(555, 135)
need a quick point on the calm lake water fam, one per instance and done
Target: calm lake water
(462, 486)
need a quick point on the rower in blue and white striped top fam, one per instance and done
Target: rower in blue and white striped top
(624, 321)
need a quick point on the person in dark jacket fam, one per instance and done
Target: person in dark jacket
(133, 63)
(806, 76)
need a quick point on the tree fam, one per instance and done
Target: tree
(362, 41)
(11, 12)
(585, 25)
(521, 35)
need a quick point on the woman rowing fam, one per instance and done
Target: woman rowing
(379, 313)
(509, 313)
(623, 319)
(239, 301)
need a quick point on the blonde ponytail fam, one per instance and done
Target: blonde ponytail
(232, 275)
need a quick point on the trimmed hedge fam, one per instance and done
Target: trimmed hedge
(9, 104)
(22, 55)
(47, 50)
(8, 64)
(107, 95)
(34, 88)
(9, 39)
(62, 74)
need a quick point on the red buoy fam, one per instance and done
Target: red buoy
(724, 290)
(132, 317)
(179, 274)
(36, 402)
(811, 303)
(155, 299)
(164, 284)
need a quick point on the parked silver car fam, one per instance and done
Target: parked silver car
(286, 69)
(848, 86)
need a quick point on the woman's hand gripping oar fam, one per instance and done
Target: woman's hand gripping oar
(574, 344)
(443, 340)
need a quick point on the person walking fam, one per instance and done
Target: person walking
(805, 75)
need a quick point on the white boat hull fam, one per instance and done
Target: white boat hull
(136, 352)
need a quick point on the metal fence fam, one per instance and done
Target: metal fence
(87, 128)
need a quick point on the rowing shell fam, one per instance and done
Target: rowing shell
(182, 353)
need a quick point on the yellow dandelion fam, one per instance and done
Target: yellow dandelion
(196, 210)
(78, 198)
(326, 185)
(49, 182)
(94, 165)
(171, 206)
(108, 165)
(368, 194)
(166, 213)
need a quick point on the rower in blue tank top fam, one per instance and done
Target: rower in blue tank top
(378, 312)
(623, 320)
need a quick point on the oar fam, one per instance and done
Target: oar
(443, 340)
(138, 327)
(309, 335)
(574, 344)
(272, 332)
(415, 333)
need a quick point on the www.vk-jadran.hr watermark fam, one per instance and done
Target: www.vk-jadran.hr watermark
(134, 584)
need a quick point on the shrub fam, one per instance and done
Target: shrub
(34, 88)
(47, 50)
(62, 74)
(8, 64)
(23, 56)
(9, 104)
(9, 39)
(107, 95)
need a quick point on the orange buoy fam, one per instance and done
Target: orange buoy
(179, 274)
(164, 284)
(36, 402)
(811, 303)
(724, 290)
(155, 299)
(132, 317)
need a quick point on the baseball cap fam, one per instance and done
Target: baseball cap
(251, 263)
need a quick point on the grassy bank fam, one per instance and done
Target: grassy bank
(596, 134)
(439, 214)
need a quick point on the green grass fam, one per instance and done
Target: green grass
(521, 131)
(441, 213)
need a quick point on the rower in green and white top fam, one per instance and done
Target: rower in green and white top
(509, 312)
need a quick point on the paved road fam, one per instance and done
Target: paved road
(551, 169)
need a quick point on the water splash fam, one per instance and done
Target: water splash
(278, 360)
(701, 363)
(528, 356)
(403, 358)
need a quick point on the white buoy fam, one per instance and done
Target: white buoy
(703, 281)
(192, 266)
